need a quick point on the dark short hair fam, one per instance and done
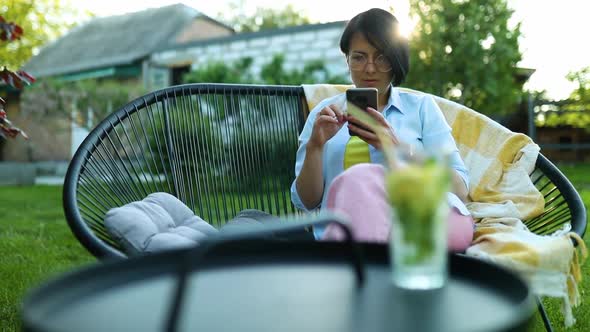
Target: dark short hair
(382, 30)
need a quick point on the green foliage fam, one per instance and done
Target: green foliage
(247, 141)
(580, 97)
(572, 119)
(59, 98)
(217, 72)
(200, 135)
(273, 72)
(466, 51)
(226, 140)
(574, 111)
(314, 71)
(41, 20)
(268, 151)
(263, 18)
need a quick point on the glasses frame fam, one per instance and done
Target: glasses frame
(367, 62)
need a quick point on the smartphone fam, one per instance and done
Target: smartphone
(361, 98)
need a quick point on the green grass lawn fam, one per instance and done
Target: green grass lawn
(36, 244)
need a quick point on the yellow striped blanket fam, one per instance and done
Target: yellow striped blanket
(501, 196)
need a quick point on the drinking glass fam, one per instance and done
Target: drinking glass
(417, 190)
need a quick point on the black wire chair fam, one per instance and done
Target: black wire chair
(222, 148)
(219, 148)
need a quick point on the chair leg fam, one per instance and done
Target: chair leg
(546, 321)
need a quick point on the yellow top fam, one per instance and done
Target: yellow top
(356, 152)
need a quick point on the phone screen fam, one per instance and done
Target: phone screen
(361, 98)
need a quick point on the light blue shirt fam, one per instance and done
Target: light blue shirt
(416, 120)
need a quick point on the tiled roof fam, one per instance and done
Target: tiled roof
(112, 41)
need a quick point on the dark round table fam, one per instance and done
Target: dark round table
(269, 285)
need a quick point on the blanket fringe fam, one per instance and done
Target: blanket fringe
(572, 299)
(580, 256)
(566, 310)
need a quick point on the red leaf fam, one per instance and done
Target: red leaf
(9, 31)
(7, 129)
(16, 79)
(25, 77)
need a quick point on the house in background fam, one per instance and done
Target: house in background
(116, 47)
(121, 46)
(156, 47)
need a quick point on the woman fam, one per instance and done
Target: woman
(377, 57)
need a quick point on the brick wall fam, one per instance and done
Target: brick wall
(49, 137)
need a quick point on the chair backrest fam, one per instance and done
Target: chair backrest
(220, 148)
(563, 204)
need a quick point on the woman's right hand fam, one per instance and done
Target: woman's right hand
(327, 123)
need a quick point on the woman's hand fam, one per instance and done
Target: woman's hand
(355, 125)
(327, 123)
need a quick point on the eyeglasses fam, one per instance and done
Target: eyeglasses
(358, 62)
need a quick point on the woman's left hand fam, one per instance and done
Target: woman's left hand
(356, 126)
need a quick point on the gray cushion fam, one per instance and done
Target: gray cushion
(158, 222)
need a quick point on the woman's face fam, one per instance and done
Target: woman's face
(370, 75)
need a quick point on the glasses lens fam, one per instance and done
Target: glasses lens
(357, 61)
(382, 64)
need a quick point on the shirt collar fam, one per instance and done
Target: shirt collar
(394, 100)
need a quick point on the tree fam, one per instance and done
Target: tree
(466, 51)
(573, 111)
(262, 19)
(42, 21)
(580, 97)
